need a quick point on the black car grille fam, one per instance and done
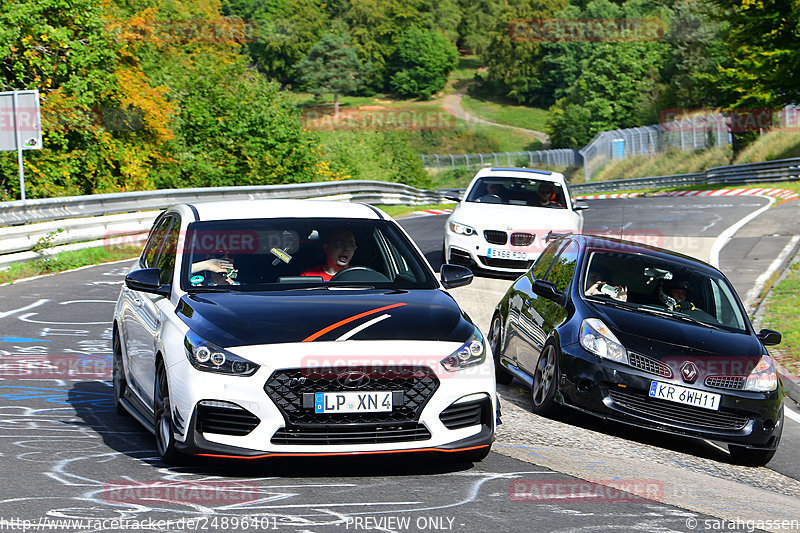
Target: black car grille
(352, 435)
(669, 412)
(506, 263)
(462, 415)
(726, 382)
(412, 387)
(495, 237)
(649, 365)
(225, 418)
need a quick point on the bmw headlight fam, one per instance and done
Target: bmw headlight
(208, 357)
(461, 229)
(763, 377)
(471, 353)
(598, 339)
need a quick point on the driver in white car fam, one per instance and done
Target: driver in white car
(339, 248)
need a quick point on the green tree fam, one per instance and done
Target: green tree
(421, 63)
(332, 66)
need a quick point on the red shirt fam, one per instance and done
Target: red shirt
(318, 271)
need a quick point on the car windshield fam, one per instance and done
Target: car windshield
(518, 191)
(293, 254)
(663, 287)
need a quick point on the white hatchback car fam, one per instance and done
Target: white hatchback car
(228, 341)
(504, 216)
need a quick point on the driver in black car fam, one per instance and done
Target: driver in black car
(339, 248)
(677, 296)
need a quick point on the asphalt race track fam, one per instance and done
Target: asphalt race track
(71, 463)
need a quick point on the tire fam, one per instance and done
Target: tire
(502, 376)
(118, 376)
(545, 379)
(476, 456)
(749, 457)
(165, 429)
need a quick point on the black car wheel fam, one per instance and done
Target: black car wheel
(503, 376)
(165, 437)
(749, 457)
(118, 376)
(544, 382)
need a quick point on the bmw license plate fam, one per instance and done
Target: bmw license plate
(353, 402)
(502, 253)
(674, 393)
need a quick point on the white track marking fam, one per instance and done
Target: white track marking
(31, 306)
(791, 414)
(753, 293)
(728, 234)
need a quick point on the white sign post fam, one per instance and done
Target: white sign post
(20, 126)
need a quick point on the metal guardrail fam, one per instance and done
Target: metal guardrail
(767, 172)
(562, 157)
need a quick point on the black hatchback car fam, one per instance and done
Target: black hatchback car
(644, 336)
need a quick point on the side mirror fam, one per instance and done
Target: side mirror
(147, 280)
(547, 289)
(580, 206)
(769, 337)
(455, 276)
(452, 197)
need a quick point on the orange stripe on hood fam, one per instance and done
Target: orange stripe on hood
(325, 330)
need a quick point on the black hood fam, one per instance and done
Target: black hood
(247, 318)
(675, 340)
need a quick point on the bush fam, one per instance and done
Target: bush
(421, 63)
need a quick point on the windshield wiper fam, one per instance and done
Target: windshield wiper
(681, 316)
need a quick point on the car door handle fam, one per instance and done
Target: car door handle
(137, 302)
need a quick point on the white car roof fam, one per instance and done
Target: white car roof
(284, 208)
(527, 173)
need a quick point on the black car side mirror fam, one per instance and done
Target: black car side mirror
(547, 289)
(455, 276)
(147, 280)
(769, 337)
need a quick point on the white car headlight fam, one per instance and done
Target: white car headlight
(763, 377)
(598, 339)
(208, 357)
(461, 229)
(471, 353)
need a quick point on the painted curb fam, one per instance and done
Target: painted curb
(784, 195)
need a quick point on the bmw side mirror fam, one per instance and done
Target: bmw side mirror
(769, 337)
(547, 289)
(580, 206)
(455, 276)
(452, 197)
(147, 280)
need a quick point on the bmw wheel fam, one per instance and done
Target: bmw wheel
(118, 375)
(165, 436)
(544, 382)
(503, 376)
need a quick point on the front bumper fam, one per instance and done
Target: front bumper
(256, 416)
(620, 392)
(472, 251)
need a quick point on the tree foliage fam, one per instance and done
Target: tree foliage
(332, 66)
(421, 62)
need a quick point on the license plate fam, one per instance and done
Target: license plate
(677, 394)
(353, 402)
(501, 253)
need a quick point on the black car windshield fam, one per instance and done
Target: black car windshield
(668, 288)
(293, 253)
(518, 191)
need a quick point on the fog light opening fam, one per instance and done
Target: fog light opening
(585, 386)
(769, 424)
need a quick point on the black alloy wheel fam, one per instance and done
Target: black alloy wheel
(503, 376)
(118, 375)
(165, 436)
(544, 382)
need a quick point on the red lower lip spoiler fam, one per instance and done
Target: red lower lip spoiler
(332, 454)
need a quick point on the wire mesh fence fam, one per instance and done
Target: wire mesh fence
(689, 132)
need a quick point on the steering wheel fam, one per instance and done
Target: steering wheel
(359, 273)
(490, 199)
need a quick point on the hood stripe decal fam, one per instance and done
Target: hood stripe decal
(335, 325)
(362, 327)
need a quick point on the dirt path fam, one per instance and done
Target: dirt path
(452, 104)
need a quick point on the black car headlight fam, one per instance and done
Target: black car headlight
(471, 353)
(763, 377)
(208, 357)
(598, 339)
(461, 229)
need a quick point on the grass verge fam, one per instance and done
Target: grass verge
(68, 261)
(780, 313)
(397, 211)
(493, 110)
